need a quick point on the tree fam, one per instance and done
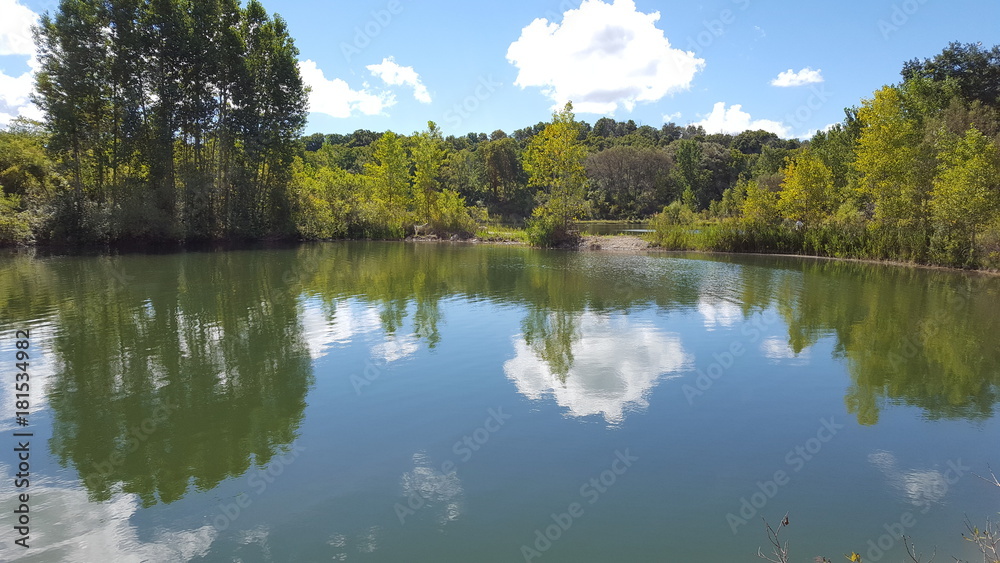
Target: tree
(760, 206)
(554, 162)
(966, 194)
(71, 87)
(628, 182)
(689, 175)
(808, 193)
(892, 180)
(389, 173)
(505, 177)
(753, 142)
(428, 157)
(173, 118)
(975, 70)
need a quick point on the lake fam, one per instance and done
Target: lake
(438, 402)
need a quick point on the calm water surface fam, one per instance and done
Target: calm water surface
(399, 402)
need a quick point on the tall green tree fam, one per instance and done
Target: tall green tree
(889, 162)
(689, 175)
(173, 118)
(966, 195)
(555, 165)
(428, 157)
(807, 193)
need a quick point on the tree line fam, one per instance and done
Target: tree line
(164, 120)
(912, 174)
(180, 120)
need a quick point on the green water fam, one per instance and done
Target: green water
(406, 402)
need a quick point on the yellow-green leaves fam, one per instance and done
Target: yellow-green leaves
(554, 162)
(807, 193)
(966, 194)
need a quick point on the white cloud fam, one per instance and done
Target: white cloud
(16, 39)
(671, 117)
(601, 56)
(395, 348)
(734, 120)
(350, 320)
(776, 349)
(15, 28)
(394, 74)
(336, 98)
(921, 487)
(790, 78)
(719, 312)
(442, 491)
(812, 132)
(72, 528)
(616, 362)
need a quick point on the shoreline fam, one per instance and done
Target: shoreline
(630, 244)
(612, 244)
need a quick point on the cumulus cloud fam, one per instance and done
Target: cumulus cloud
(395, 75)
(600, 57)
(790, 78)
(734, 120)
(776, 349)
(719, 312)
(350, 321)
(16, 39)
(72, 528)
(15, 28)
(921, 487)
(336, 97)
(615, 364)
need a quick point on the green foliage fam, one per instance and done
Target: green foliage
(181, 120)
(170, 119)
(14, 225)
(627, 182)
(554, 163)
(672, 226)
(889, 162)
(807, 193)
(966, 196)
(689, 176)
(547, 231)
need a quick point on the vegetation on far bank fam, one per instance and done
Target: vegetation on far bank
(150, 136)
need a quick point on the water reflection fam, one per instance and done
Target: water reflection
(186, 375)
(210, 355)
(920, 487)
(427, 489)
(67, 526)
(593, 364)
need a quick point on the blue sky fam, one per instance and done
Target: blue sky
(395, 64)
